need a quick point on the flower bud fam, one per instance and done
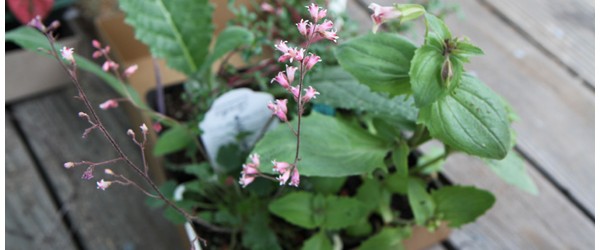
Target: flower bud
(108, 171)
(446, 72)
(69, 165)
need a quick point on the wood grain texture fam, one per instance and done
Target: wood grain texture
(518, 220)
(564, 28)
(113, 219)
(32, 220)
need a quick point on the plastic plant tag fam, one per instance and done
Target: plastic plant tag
(239, 111)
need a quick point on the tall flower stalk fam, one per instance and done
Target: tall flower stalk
(312, 31)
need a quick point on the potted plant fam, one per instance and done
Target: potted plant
(350, 173)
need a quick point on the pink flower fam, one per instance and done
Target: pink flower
(330, 35)
(316, 13)
(36, 22)
(108, 65)
(250, 169)
(279, 109)
(302, 27)
(280, 167)
(311, 93)
(255, 158)
(290, 72)
(88, 174)
(310, 61)
(295, 91)
(103, 184)
(157, 127)
(295, 178)
(130, 70)
(67, 54)
(266, 7)
(282, 46)
(245, 180)
(326, 25)
(284, 177)
(282, 80)
(96, 44)
(69, 165)
(112, 103)
(144, 128)
(383, 14)
(97, 54)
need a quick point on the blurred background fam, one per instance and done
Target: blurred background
(539, 56)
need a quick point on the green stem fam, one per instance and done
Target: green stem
(416, 137)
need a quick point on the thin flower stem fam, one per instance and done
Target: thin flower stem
(73, 75)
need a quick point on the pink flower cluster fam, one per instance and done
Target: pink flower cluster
(250, 170)
(110, 64)
(286, 171)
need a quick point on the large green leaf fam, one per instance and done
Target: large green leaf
(341, 212)
(337, 87)
(32, 40)
(380, 61)
(512, 170)
(228, 40)
(387, 239)
(437, 31)
(421, 203)
(173, 140)
(329, 147)
(179, 31)
(296, 208)
(426, 75)
(471, 119)
(459, 205)
(257, 234)
(318, 241)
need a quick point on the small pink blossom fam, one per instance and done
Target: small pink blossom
(69, 164)
(88, 174)
(383, 14)
(279, 109)
(96, 44)
(280, 167)
(108, 171)
(97, 54)
(316, 12)
(130, 133)
(295, 178)
(103, 184)
(326, 25)
(108, 65)
(130, 70)
(67, 54)
(266, 7)
(144, 128)
(112, 103)
(282, 80)
(311, 93)
(290, 72)
(292, 54)
(330, 35)
(302, 27)
(36, 22)
(282, 46)
(245, 180)
(310, 61)
(249, 169)
(284, 177)
(295, 92)
(255, 158)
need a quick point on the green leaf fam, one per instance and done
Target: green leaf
(426, 75)
(295, 208)
(341, 212)
(400, 158)
(173, 140)
(420, 201)
(465, 50)
(459, 205)
(430, 156)
(228, 40)
(471, 119)
(512, 170)
(318, 241)
(410, 11)
(257, 234)
(179, 31)
(369, 193)
(360, 229)
(396, 183)
(329, 147)
(200, 170)
(337, 87)
(31, 39)
(380, 61)
(437, 31)
(387, 239)
(326, 185)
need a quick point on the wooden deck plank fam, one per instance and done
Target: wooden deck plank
(564, 28)
(113, 219)
(519, 220)
(32, 220)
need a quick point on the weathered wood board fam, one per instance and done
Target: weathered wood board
(564, 28)
(113, 219)
(32, 220)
